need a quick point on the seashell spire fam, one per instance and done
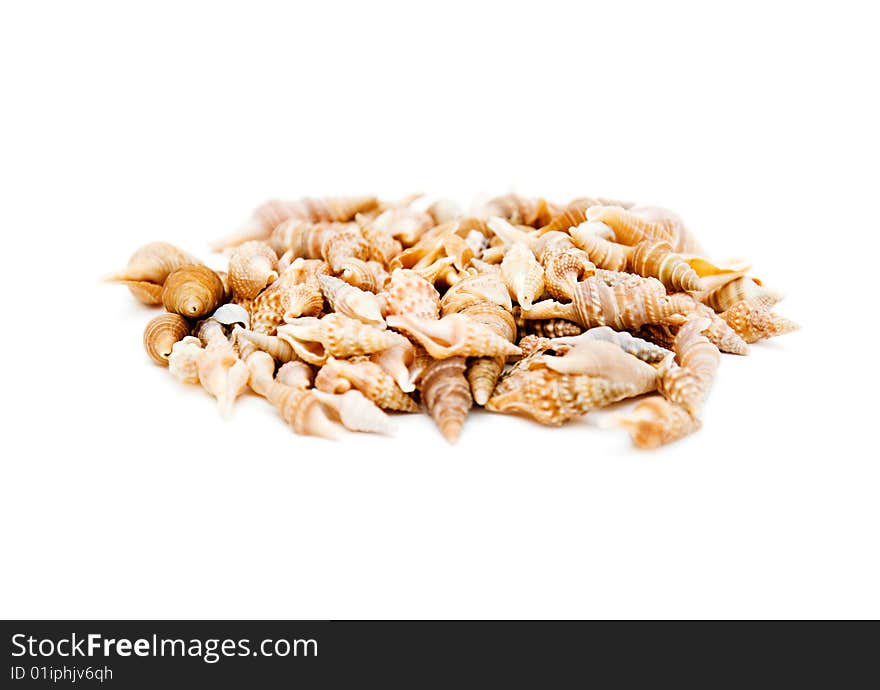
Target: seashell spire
(447, 395)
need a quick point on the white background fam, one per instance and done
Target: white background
(124, 494)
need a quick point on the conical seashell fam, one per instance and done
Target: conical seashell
(183, 362)
(630, 228)
(439, 272)
(564, 265)
(447, 395)
(454, 335)
(660, 334)
(232, 314)
(458, 250)
(356, 412)
(482, 375)
(160, 335)
(552, 398)
(687, 382)
(367, 377)
(644, 350)
(351, 301)
(573, 215)
(656, 421)
(221, 372)
(192, 291)
(295, 375)
(148, 268)
(409, 293)
(521, 210)
(719, 331)
(272, 344)
(606, 360)
(753, 321)
(728, 293)
(314, 340)
(602, 252)
(522, 274)
(655, 258)
(252, 266)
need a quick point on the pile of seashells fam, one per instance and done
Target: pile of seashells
(525, 307)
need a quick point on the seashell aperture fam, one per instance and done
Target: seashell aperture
(252, 266)
(454, 335)
(606, 360)
(192, 291)
(160, 335)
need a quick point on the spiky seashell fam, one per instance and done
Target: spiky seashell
(687, 381)
(637, 347)
(409, 293)
(655, 258)
(521, 210)
(534, 344)
(252, 267)
(552, 398)
(192, 291)
(564, 265)
(296, 293)
(297, 238)
(356, 412)
(719, 331)
(631, 228)
(314, 340)
(602, 252)
(383, 246)
(606, 360)
(655, 421)
(295, 375)
(365, 275)
(724, 295)
(160, 335)
(522, 274)
(753, 321)
(454, 335)
(298, 407)
(148, 269)
(221, 372)
(351, 301)
(447, 395)
(426, 251)
(338, 375)
(232, 314)
(183, 362)
(547, 328)
(272, 344)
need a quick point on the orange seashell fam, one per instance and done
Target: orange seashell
(192, 291)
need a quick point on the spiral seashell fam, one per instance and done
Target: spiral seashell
(221, 372)
(687, 381)
(753, 321)
(602, 252)
(403, 362)
(295, 375)
(296, 293)
(252, 266)
(232, 314)
(548, 328)
(454, 335)
(183, 362)
(383, 246)
(573, 215)
(370, 276)
(356, 412)
(521, 210)
(637, 347)
(533, 345)
(405, 224)
(740, 287)
(160, 335)
(655, 258)
(334, 335)
(192, 291)
(272, 344)
(522, 274)
(350, 301)
(410, 294)
(447, 395)
(655, 421)
(564, 265)
(339, 375)
(630, 228)
(606, 360)
(149, 267)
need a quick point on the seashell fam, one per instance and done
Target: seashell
(686, 241)
(521, 210)
(655, 258)
(753, 320)
(720, 333)
(606, 360)
(149, 267)
(295, 375)
(534, 345)
(183, 362)
(573, 215)
(444, 211)
(564, 265)
(334, 335)
(601, 251)
(631, 228)
(476, 288)
(160, 335)
(271, 344)
(509, 235)
(660, 334)
(192, 291)
(687, 382)
(447, 395)
(403, 362)
(221, 372)
(547, 328)
(356, 412)
(655, 421)
(458, 250)
(637, 347)
(232, 314)
(522, 274)
(740, 287)
(338, 376)
(410, 294)
(552, 398)
(252, 266)
(441, 271)
(298, 407)
(366, 275)
(454, 335)
(405, 224)
(350, 301)
(296, 293)
(383, 246)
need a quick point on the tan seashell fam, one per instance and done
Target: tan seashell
(356, 412)
(548, 328)
(183, 362)
(405, 224)
(383, 246)
(272, 344)
(440, 272)
(410, 294)
(296, 293)
(522, 274)
(532, 345)
(221, 372)
(403, 362)
(753, 320)
(521, 210)
(295, 375)
(444, 211)
(637, 347)
(606, 360)
(687, 381)
(334, 335)
(655, 421)
(685, 243)
(476, 288)
(602, 252)
(573, 215)
(655, 258)
(160, 335)
(631, 228)
(458, 249)
(350, 301)
(192, 291)
(339, 375)
(724, 295)
(564, 265)
(447, 395)
(149, 267)
(454, 335)
(365, 275)
(252, 266)
(508, 235)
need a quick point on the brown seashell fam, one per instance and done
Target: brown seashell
(338, 375)
(149, 267)
(630, 228)
(655, 421)
(740, 287)
(476, 288)
(403, 362)
(753, 321)
(447, 395)
(252, 267)
(573, 215)
(687, 381)
(522, 274)
(192, 291)
(161, 333)
(365, 275)
(655, 258)
(334, 335)
(454, 335)
(350, 301)
(547, 328)
(410, 294)
(406, 224)
(534, 345)
(564, 265)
